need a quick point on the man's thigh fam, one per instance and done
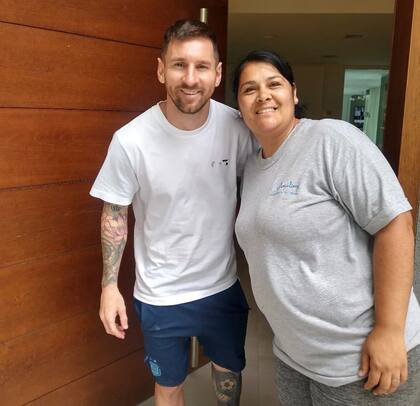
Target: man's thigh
(353, 394)
(223, 328)
(166, 350)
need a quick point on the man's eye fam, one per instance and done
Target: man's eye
(202, 67)
(178, 65)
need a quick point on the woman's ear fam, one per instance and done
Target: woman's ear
(295, 98)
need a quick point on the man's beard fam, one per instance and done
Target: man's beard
(185, 108)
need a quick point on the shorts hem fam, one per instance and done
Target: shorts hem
(169, 384)
(223, 365)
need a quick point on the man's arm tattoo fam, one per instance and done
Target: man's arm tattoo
(113, 238)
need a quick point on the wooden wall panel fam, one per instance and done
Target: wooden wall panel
(397, 81)
(46, 221)
(47, 146)
(141, 22)
(114, 20)
(409, 164)
(38, 293)
(129, 375)
(72, 72)
(217, 20)
(49, 358)
(41, 292)
(48, 69)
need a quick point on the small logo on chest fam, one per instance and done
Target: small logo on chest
(223, 162)
(284, 188)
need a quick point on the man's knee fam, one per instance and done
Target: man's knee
(227, 385)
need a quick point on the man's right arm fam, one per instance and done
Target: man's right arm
(113, 238)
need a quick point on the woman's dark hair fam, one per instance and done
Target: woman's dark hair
(277, 62)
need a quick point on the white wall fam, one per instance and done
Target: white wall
(320, 88)
(345, 115)
(370, 126)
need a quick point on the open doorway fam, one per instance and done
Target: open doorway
(364, 101)
(321, 40)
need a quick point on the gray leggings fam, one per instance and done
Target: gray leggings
(295, 389)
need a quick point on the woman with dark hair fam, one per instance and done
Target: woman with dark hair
(327, 233)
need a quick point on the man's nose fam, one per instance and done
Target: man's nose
(190, 77)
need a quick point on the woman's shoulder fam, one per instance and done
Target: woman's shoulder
(339, 132)
(333, 126)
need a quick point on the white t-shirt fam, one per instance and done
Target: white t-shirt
(306, 222)
(182, 185)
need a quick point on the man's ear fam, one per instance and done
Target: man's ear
(218, 74)
(161, 71)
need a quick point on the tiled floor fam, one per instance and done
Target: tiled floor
(258, 387)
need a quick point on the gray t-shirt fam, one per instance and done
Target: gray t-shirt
(306, 222)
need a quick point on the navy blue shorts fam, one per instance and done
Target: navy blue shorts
(219, 322)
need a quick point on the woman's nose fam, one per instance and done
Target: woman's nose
(263, 95)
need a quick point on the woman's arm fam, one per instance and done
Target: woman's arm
(384, 355)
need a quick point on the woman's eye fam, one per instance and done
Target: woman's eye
(275, 84)
(248, 90)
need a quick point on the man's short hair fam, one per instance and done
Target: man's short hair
(187, 29)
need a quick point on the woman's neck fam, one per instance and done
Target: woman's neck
(270, 143)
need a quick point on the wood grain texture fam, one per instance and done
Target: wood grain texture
(48, 146)
(48, 358)
(48, 69)
(72, 72)
(409, 164)
(141, 22)
(38, 293)
(47, 221)
(125, 382)
(397, 82)
(35, 294)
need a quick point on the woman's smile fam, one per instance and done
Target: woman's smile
(267, 103)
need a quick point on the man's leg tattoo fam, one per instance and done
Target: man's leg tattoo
(227, 386)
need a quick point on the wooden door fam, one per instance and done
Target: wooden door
(71, 73)
(402, 125)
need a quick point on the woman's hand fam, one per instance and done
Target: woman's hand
(384, 360)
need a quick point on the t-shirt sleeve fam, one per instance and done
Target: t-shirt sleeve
(364, 182)
(117, 181)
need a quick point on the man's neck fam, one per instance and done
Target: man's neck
(184, 121)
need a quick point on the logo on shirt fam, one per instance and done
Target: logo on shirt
(284, 188)
(223, 162)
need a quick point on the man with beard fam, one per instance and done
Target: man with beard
(177, 164)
